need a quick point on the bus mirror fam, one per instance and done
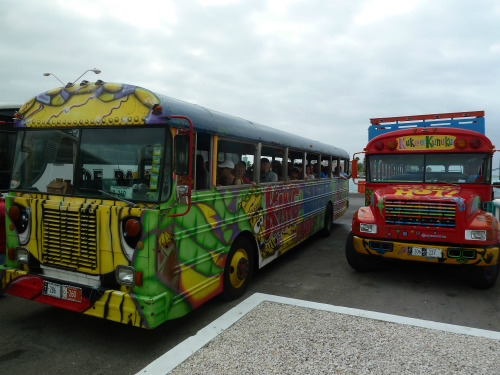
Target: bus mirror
(354, 169)
(181, 155)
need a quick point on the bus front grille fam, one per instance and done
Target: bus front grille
(422, 213)
(69, 239)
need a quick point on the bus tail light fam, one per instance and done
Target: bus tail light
(379, 146)
(475, 143)
(461, 143)
(391, 145)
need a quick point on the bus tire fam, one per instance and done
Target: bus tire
(486, 276)
(327, 226)
(238, 269)
(360, 262)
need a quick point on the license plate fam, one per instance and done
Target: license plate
(429, 252)
(66, 292)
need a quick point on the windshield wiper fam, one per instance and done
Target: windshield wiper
(132, 204)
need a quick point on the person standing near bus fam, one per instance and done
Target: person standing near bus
(266, 174)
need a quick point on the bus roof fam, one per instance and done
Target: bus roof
(430, 140)
(473, 120)
(116, 104)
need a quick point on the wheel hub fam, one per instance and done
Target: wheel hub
(242, 269)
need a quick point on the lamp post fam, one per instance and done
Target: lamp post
(96, 71)
(53, 75)
(69, 84)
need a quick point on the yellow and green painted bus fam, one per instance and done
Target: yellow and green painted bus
(116, 208)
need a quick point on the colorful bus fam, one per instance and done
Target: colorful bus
(428, 195)
(117, 208)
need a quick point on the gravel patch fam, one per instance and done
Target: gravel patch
(275, 338)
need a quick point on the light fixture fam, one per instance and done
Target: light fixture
(368, 228)
(475, 143)
(22, 255)
(96, 71)
(477, 235)
(379, 145)
(53, 75)
(125, 275)
(461, 143)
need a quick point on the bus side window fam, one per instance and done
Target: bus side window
(279, 166)
(202, 161)
(235, 162)
(326, 166)
(295, 160)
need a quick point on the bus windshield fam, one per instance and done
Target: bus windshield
(460, 168)
(123, 163)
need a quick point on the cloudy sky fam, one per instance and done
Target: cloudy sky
(317, 68)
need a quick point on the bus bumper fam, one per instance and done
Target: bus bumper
(429, 252)
(107, 304)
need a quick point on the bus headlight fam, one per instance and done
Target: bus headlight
(22, 255)
(368, 228)
(475, 235)
(125, 275)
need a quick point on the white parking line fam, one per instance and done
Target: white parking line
(175, 356)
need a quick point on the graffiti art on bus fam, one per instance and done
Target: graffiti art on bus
(178, 259)
(426, 190)
(63, 105)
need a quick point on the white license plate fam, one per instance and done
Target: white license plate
(66, 292)
(429, 252)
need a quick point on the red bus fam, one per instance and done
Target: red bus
(427, 192)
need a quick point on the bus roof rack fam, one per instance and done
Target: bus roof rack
(473, 120)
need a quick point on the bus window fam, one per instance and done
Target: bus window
(234, 162)
(202, 161)
(326, 166)
(296, 160)
(275, 157)
(7, 142)
(315, 162)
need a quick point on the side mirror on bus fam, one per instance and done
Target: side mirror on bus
(354, 167)
(181, 155)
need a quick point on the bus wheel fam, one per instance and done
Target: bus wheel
(238, 270)
(360, 262)
(485, 277)
(327, 226)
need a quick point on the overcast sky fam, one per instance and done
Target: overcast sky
(317, 68)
